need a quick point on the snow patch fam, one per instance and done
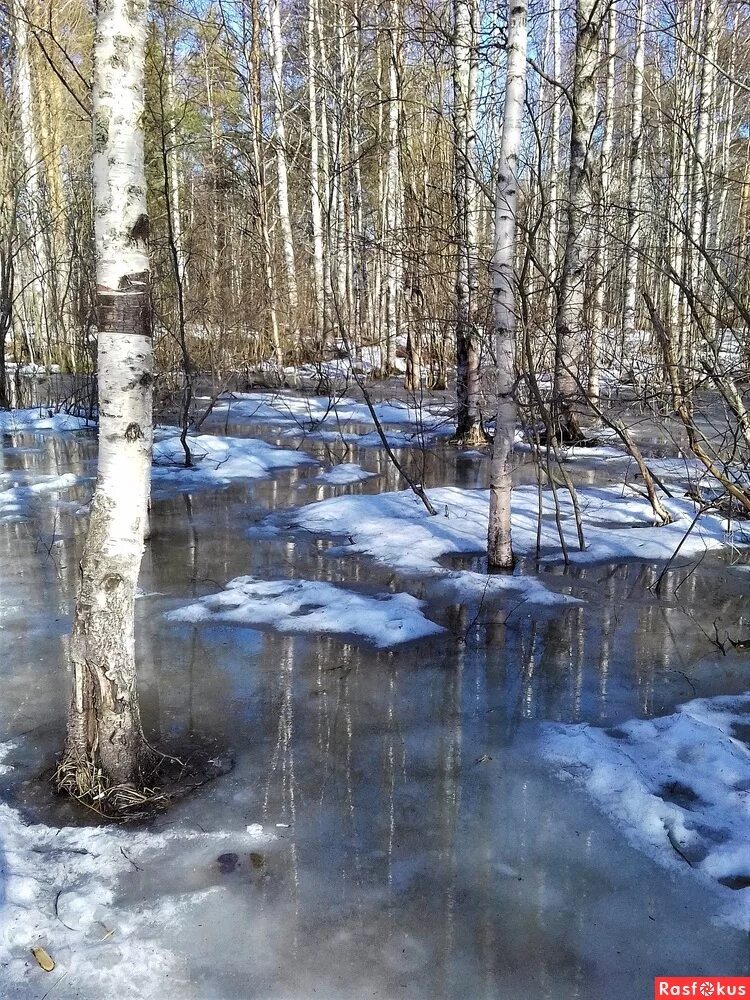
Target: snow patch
(41, 420)
(16, 500)
(301, 606)
(51, 877)
(313, 411)
(677, 786)
(395, 528)
(218, 461)
(344, 474)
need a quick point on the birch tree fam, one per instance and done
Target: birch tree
(104, 750)
(280, 145)
(570, 326)
(316, 193)
(36, 272)
(632, 245)
(465, 41)
(392, 205)
(605, 180)
(499, 538)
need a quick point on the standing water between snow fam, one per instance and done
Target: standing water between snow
(434, 819)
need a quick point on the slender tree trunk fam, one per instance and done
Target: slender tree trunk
(316, 201)
(393, 200)
(499, 538)
(282, 170)
(679, 202)
(570, 326)
(465, 40)
(554, 149)
(35, 271)
(175, 181)
(105, 743)
(725, 155)
(255, 100)
(701, 146)
(608, 125)
(632, 246)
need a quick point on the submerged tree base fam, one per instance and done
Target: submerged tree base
(566, 435)
(472, 436)
(165, 778)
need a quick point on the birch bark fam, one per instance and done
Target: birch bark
(465, 40)
(606, 183)
(570, 326)
(632, 246)
(105, 743)
(499, 537)
(282, 170)
(392, 205)
(316, 202)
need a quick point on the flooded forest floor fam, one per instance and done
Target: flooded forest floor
(440, 788)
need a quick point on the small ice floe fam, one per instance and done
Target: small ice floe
(217, 461)
(396, 529)
(344, 474)
(41, 419)
(16, 501)
(678, 788)
(300, 606)
(312, 411)
(257, 832)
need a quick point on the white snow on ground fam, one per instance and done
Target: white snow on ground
(344, 474)
(217, 460)
(396, 529)
(312, 606)
(678, 787)
(44, 419)
(16, 499)
(51, 877)
(312, 411)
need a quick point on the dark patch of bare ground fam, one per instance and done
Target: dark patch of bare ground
(175, 771)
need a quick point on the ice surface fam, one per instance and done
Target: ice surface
(678, 787)
(296, 606)
(217, 460)
(58, 890)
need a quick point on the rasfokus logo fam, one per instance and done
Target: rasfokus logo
(702, 986)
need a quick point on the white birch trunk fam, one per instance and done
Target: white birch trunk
(282, 171)
(679, 198)
(104, 728)
(632, 246)
(34, 262)
(393, 198)
(173, 160)
(316, 203)
(570, 327)
(701, 145)
(255, 103)
(499, 537)
(554, 151)
(606, 183)
(465, 41)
